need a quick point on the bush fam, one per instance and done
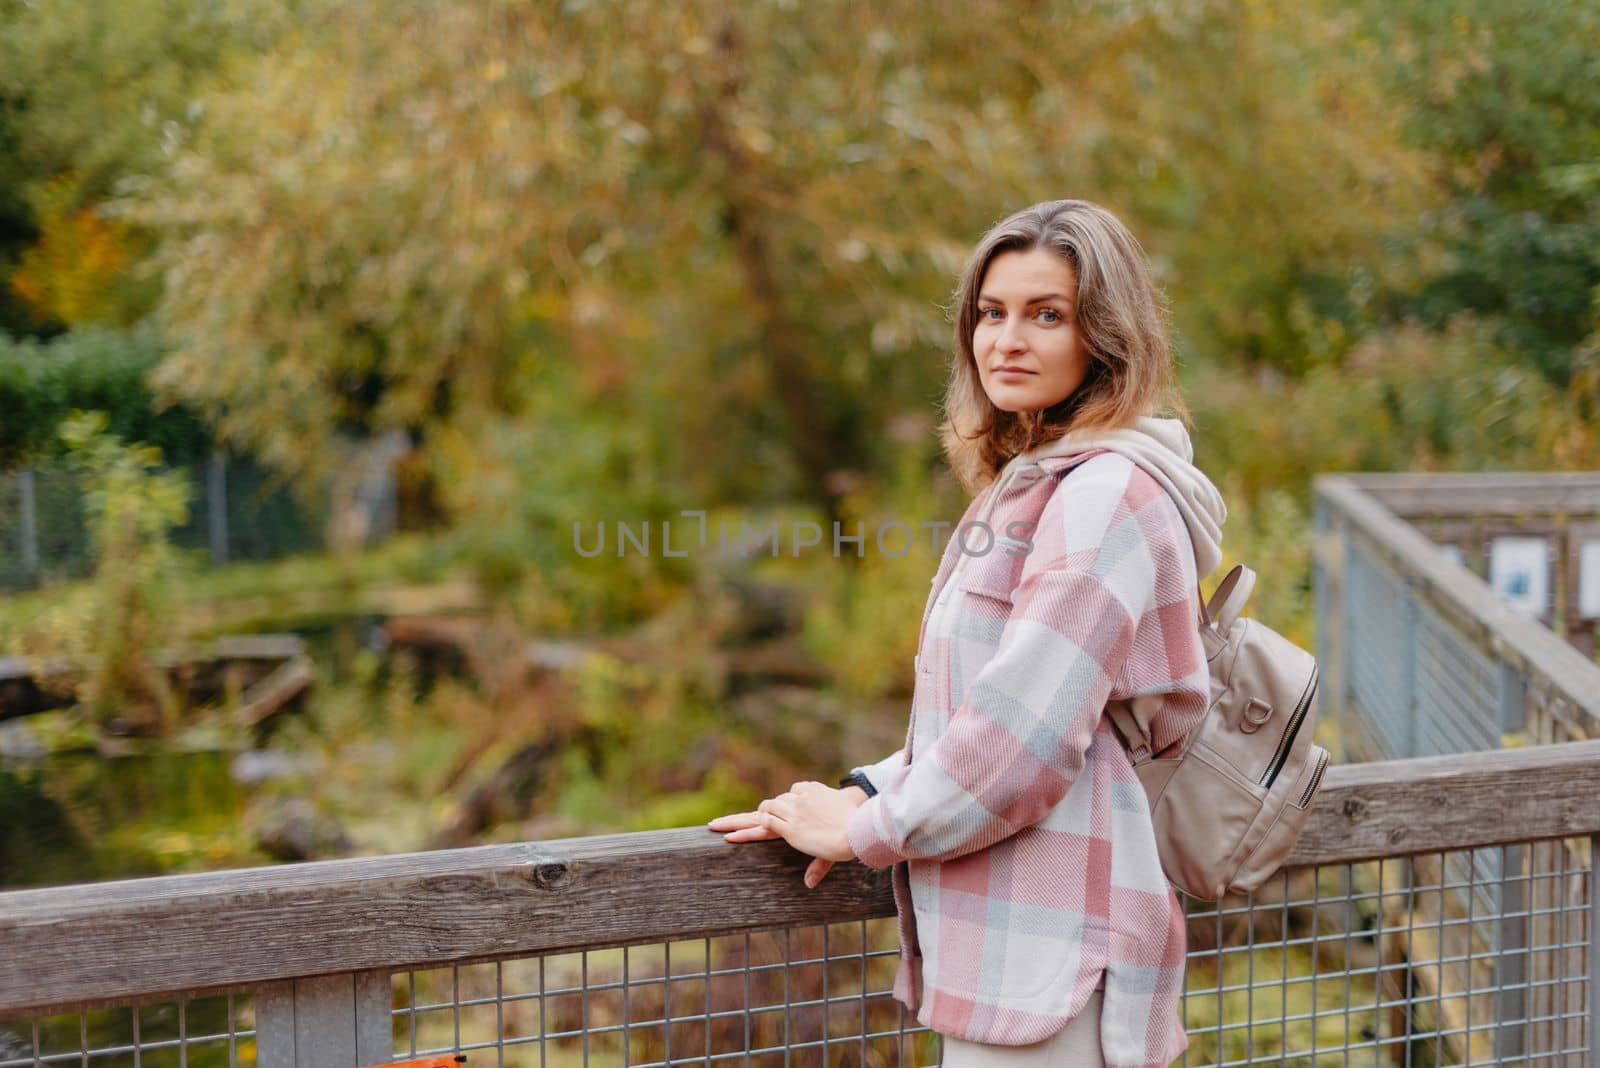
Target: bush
(112, 622)
(92, 368)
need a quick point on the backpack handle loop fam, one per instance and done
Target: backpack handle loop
(1228, 600)
(1132, 720)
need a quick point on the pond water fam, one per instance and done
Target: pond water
(79, 816)
(71, 811)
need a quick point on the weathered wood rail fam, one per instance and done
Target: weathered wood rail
(339, 928)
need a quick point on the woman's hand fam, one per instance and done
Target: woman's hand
(810, 816)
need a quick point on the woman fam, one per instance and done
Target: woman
(1036, 926)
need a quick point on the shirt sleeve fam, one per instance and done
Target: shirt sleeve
(1013, 749)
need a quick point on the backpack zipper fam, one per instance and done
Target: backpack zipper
(1316, 777)
(1276, 764)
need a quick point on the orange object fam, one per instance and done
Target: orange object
(446, 1060)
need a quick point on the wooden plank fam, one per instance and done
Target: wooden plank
(374, 1024)
(325, 1022)
(127, 938)
(298, 608)
(1452, 801)
(267, 697)
(275, 1025)
(1511, 493)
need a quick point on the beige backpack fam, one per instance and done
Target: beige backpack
(1229, 799)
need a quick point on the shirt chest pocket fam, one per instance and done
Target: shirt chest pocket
(985, 588)
(988, 583)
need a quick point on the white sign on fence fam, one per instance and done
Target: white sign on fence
(1519, 572)
(1589, 580)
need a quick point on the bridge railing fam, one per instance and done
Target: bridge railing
(1379, 938)
(1420, 653)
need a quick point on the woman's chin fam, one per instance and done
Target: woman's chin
(1017, 405)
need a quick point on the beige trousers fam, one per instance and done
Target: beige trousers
(1076, 1045)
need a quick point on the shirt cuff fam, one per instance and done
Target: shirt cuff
(862, 831)
(858, 778)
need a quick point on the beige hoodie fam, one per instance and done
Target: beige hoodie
(1162, 448)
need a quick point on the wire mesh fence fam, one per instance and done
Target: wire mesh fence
(1398, 961)
(792, 995)
(1411, 960)
(199, 1032)
(237, 511)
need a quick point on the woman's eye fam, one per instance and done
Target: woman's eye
(998, 313)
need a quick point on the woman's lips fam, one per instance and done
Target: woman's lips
(1012, 372)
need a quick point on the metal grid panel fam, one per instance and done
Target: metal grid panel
(1377, 689)
(189, 1033)
(1392, 962)
(256, 519)
(1433, 959)
(786, 996)
(1457, 695)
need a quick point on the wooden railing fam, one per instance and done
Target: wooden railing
(324, 951)
(1419, 655)
(1469, 512)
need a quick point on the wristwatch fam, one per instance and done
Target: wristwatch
(855, 778)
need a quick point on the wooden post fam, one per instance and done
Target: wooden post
(1510, 968)
(326, 1021)
(1326, 581)
(217, 507)
(1346, 674)
(1513, 699)
(30, 525)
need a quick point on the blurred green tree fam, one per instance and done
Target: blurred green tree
(1504, 95)
(93, 96)
(417, 214)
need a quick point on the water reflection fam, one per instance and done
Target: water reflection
(80, 816)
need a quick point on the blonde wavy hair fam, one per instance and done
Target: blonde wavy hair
(1120, 313)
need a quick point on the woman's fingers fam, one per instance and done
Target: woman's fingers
(751, 834)
(774, 818)
(780, 805)
(745, 827)
(816, 870)
(777, 814)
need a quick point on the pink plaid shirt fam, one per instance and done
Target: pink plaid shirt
(1025, 864)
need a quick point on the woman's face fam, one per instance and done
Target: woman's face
(1029, 351)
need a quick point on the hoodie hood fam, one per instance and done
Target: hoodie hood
(1163, 449)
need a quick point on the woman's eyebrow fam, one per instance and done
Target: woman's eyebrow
(1031, 300)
